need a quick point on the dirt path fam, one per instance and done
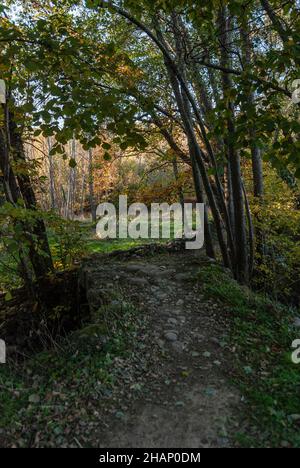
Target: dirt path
(183, 398)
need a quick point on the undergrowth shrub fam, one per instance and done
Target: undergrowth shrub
(67, 241)
(260, 340)
(277, 224)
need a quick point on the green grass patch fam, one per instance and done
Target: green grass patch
(262, 334)
(106, 246)
(69, 241)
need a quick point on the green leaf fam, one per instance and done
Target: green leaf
(106, 146)
(248, 370)
(124, 146)
(107, 156)
(297, 173)
(72, 163)
(8, 296)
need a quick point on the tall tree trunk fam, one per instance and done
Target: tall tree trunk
(209, 245)
(251, 234)
(42, 263)
(177, 26)
(18, 187)
(198, 165)
(70, 199)
(91, 187)
(82, 198)
(186, 107)
(257, 167)
(170, 140)
(177, 179)
(175, 79)
(51, 175)
(12, 195)
(242, 267)
(229, 195)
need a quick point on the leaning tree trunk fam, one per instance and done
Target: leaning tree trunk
(220, 196)
(176, 78)
(198, 165)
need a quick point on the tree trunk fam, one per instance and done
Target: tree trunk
(192, 103)
(16, 188)
(51, 175)
(257, 167)
(197, 164)
(175, 79)
(177, 179)
(91, 188)
(229, 197)
(242, 271)
(42, 264)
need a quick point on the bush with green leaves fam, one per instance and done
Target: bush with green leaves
(67, 241)
(277, 220)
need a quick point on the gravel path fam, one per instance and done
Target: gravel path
(181, 369)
